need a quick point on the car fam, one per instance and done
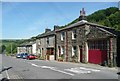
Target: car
(18, 56)
(24, 55)
(31, 56)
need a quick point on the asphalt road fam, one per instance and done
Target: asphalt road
(40, 69)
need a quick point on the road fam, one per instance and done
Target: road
(41, 69)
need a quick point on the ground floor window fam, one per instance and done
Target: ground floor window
(74, 50)
(62, 50)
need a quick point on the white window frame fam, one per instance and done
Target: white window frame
(62, 36)
(62, 50)
(74, 50)
(73, 33)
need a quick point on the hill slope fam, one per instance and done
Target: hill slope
(108, 17)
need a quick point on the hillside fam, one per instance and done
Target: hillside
(108, 17)
(9, 45)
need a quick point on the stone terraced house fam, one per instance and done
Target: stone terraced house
(46, 45)
(82, 41)
(88, 43)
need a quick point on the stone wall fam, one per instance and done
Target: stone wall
(83, 35)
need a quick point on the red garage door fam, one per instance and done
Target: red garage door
(97, 51)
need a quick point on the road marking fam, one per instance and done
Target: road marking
(82, 70)
(47, 67)
(78, 71)
(52, 68)
(62, 71)
(7, 74)
(95, 70)
(34, 65)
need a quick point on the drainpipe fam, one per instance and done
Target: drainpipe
(66, 46)
(55, 49)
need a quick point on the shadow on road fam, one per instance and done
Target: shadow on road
(5, 69)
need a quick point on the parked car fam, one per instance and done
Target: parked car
(24, 56)
(18, 56)
(31, 56)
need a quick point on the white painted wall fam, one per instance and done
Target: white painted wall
(34, 48)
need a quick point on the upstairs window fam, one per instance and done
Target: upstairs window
(63, 36)
(74, 50)
(39, 42)
(74, 34)
(48, 40)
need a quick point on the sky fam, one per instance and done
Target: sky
(23, 20)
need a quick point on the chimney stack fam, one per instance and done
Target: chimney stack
(56, 27)
(82, 15)
(47, 30)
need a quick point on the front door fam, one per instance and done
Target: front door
(42, 52)
(80, 55)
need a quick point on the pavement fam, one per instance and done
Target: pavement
(41, 69)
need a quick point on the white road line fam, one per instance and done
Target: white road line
(77, 71)
(7, 74)
(95, 70)
(82, 70)
(52, 68)
(62, 71)
(47, 67)
(35, 65)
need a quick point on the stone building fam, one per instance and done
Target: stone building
(88, 43)
(46, 45)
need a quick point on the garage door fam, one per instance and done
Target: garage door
(97, 51)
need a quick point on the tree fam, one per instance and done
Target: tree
(2, 48)
(11, 48)
(107, 23)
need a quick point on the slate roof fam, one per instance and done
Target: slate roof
(50, 33)
(83, 22)
(27, 44)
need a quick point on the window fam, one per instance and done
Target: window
(62, 50)
(39, 50)
(47, 40)
(39, 42)
(74, 51)
(62, 36)
(74, 34)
